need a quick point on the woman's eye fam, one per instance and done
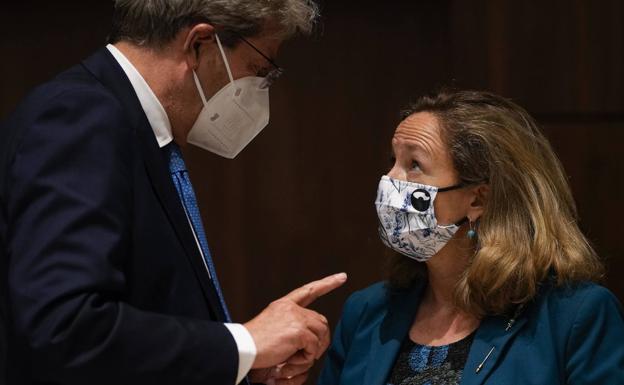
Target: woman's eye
(415, 166)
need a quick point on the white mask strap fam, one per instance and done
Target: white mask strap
(199, 88)
(227, 66)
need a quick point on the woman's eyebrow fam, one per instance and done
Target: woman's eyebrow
(416, 153)
(418, 150)
(417, 144)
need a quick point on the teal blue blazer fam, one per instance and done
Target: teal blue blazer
(570, 335)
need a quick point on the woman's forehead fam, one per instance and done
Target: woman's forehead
(420, 129)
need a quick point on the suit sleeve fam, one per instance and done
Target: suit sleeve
(69, 215)
(595, 349)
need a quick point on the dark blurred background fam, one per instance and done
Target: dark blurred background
(297, 204)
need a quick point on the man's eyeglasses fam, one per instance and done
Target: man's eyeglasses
(274, 74)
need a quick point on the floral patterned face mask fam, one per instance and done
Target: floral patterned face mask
(407, 221)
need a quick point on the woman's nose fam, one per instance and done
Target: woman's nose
(397, 172)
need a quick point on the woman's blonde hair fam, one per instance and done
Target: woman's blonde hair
(528, 230)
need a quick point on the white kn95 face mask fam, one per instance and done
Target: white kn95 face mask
(233, 116)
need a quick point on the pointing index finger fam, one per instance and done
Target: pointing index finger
(309, 292)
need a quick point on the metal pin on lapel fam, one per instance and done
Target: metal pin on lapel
(483, 362)
(510, 324)
(512, 321)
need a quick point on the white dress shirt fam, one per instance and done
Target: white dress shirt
(158, 119)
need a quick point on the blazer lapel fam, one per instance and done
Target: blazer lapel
(488, 347)
(103, 66)
(389, 336)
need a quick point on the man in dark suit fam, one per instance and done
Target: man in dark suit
(106, 274)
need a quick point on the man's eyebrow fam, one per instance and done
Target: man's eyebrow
(259, 69)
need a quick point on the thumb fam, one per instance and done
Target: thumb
(309, 292)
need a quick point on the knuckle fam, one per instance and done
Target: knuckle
(303, 378)
(293, 331)
(287, 306)
(302, 338)
(285, 371)
(276, 303)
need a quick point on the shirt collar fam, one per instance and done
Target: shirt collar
(156, 114)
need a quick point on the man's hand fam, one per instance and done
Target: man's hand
(286, 374)
(287, 332)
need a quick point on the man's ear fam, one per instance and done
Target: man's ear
(479, 199)
(197, 37)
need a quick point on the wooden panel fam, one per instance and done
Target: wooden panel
(592, 157)
(554, 56)
(39, 39)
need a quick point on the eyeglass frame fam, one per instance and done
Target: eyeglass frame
(274, 74)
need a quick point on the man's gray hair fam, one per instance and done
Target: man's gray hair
(157, 22)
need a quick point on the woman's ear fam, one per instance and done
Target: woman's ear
(195, 41)
(478, 201)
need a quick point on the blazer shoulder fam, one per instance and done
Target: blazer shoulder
(67, 111)
(593, 339)
(580, 294)
(597, 298)
(73, 84)
(571, 304)
(375, 300)
(373, 297)
(64, 117)
(72, 104)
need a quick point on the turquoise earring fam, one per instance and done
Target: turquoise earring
(472, 233)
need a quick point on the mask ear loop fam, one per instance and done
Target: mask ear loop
(199, 88)
(227, 65)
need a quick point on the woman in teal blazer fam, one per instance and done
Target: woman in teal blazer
(498, 287)
(565, 336)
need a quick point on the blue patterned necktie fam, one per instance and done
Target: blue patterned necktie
(182, 182)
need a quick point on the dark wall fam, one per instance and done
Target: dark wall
(297, 203)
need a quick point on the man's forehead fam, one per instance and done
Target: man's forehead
(269, 39)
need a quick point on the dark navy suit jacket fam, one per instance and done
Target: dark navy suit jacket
(102, 281)
(568, 335)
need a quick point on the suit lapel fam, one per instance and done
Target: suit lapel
(104, 67)
(387, 339)
(491, 341)
(155, 163)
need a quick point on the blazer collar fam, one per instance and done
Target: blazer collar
(494, 332)
(107, 70)
(387, 339)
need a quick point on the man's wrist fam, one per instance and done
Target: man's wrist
(246, 349)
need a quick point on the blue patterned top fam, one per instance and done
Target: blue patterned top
(430, 365)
